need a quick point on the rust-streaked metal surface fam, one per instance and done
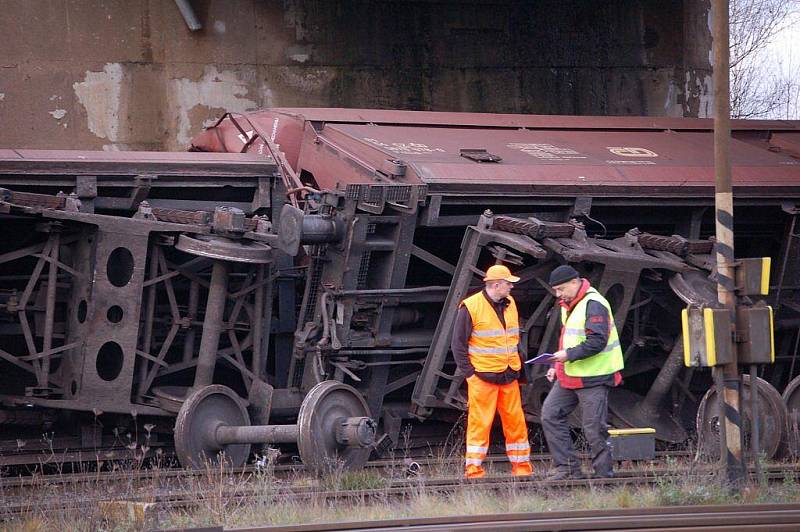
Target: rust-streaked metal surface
(616, 154)
(788, 142)
(116, 162)
(121, 180)
(505, 120)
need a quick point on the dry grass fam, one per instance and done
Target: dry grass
(227, 498)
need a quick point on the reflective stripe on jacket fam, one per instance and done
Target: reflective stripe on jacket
(492, 347)
(606, 362)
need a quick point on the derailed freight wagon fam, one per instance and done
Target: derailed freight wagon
(315, 308)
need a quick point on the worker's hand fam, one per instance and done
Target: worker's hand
(466, 373)
(560, 356)
(551, 374)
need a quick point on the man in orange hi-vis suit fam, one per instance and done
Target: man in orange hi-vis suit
(486, 348)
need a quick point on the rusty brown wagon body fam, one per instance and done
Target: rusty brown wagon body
(323, 294)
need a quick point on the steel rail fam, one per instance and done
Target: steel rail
(718, 517)
(60, 477)
(190, 497)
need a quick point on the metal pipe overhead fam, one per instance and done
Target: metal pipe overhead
(188, 14)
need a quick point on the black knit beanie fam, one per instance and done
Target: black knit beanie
(562, 274)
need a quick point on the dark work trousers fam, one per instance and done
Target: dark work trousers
(558, 405)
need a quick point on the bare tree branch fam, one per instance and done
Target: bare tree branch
(761, 88)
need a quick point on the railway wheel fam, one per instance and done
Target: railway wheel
(772, 414)
(791, 398)
(334, 428)
(534, 395)
(202, 412)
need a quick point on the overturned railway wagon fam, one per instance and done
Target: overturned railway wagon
(301, 288)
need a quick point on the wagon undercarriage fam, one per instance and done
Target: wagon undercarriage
(238, 317)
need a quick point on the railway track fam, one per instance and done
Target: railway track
(193, 495)
(773, 517)
(132, 473)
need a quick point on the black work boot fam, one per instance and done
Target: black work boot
(565, 474)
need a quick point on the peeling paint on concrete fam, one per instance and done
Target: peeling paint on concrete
(687, 93)
(710, 19)
(699, 92)
(58, 114)
(99, 94)
(2, 96)
(296, 53)
(267, 97)
(299, 54)
(706, 97)
(115, 147)
(307, 80)
(215, 89)
(670, 104)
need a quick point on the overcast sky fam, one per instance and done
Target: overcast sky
(786, 46)
(784, 56)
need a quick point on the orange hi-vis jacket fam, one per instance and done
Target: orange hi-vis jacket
(492, 347)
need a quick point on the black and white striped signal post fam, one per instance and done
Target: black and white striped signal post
(726, 375)
(728, 332)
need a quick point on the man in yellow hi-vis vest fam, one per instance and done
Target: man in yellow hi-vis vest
(485, 345)
(587, 364)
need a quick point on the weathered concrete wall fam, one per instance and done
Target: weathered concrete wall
(128, 74)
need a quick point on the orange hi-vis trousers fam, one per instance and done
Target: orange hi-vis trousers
(485, 399)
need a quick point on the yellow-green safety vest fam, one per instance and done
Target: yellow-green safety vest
(607, 361)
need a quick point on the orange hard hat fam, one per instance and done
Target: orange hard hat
(499, 272)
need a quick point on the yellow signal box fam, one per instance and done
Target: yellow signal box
(752, 276)
(756, 337)
(706, 336)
